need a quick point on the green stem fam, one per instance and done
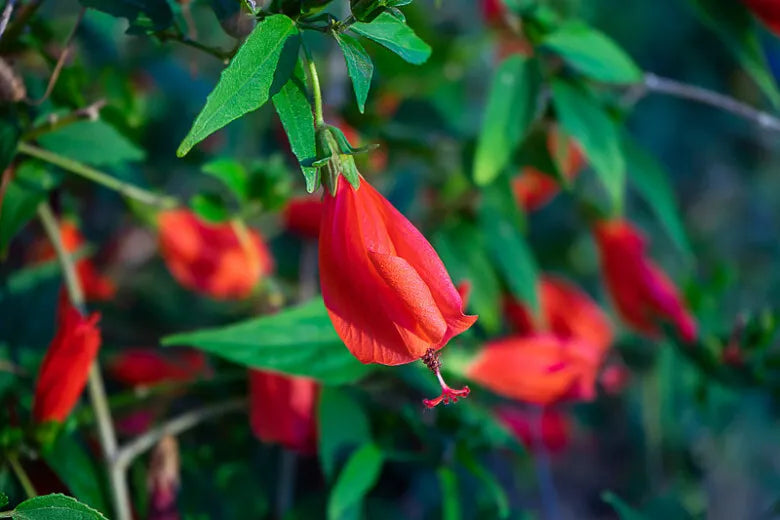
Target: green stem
(126, 189)
(97, 392)
(24, 480)
(319, 119)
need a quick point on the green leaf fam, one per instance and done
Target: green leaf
(210, 207)
(298, 341)
(336, 409)
(30, 186)
(395, 35)
(55, 507)
(261, 67)
(592, 53)
(292, 105)
(624, 511)
(583, 118)
(232, 174)
(3, 499)
(92, 142)
(511, 254)
(487, 479)
(735, 26)
(359, 66)
(72, 464)
(450, 496)
(651, 180)
(154, 15)
(359, 475)
(511, 107)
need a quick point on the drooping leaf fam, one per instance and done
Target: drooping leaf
(511, 107)
(55, 507)
(232, 174)
(154, 15)
(583, 118)
(92, 142)
(337, 408)
(292, 105)
(733, 23)
(450, 497)
(651, 180)
(359, 67)
(30, 186)
(261, 67)
(298, 341)
(395, 35)
(72, 464)
(592, 53)
(357, 478)
(510, 252)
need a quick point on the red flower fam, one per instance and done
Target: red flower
(213, 259)
(302, 216)
(566, 312)
(146, 366)
(643, 294)
(540, 369)
(65, 367)
(768, 11)
(533, 188)
(387, 292)
(95, 286)
(283, 409)
(555, 427)
(493, 11)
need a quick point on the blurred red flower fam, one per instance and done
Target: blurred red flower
(555, 427)
(212, 259)
(493, 11)
(642, 292)
(302, 216)
(283, 409)
(768, 11)
(65, 367)
(533, 188)
(615, 378)
(540, 369)
(96, 287)
(566, 312)
(147, 366)
(387, 292)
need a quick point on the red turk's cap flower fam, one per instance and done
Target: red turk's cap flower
(768, 11)
(386, 290)
(65, 367)
(283, 409)
(540, 369)
(533, 188)
(96, 287)
(302, 216)
(213, 259)
(642, 293)
(566, 312)
(555, 427)
(147, 366)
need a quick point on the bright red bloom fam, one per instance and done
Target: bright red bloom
(65, 367)
(768, 11)
(642, 292)
(556, 427)
(302, 216)
(96, 287)
(213, 259)
(566, 312)
(147, 366)
(283, 409)
(533, 188)
(540, 369)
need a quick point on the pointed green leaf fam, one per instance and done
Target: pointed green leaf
(298, 341)
(92, 142)
(55, 507)
(336, 409)
(592, 53)
(651, 180)
(511, 107)
(261, 67)
(71, 462)
(359, 475)
(292, 105)
(395, 35)
(734, 24)
(584, 119)
(359, 66)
